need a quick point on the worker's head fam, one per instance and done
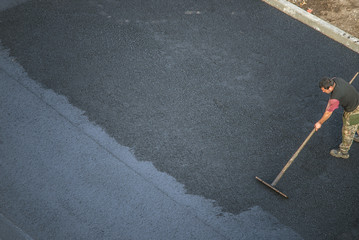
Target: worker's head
(327, 85)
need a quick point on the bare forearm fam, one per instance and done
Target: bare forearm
(325, 117)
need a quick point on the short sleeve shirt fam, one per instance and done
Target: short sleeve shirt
(345, 95)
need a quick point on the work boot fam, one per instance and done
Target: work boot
(339, 154)
(356, 138)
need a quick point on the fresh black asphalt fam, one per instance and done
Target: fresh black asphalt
(213, 93)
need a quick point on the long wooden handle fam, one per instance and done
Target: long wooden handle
(353, 78)
(276, 180)
(279, 176)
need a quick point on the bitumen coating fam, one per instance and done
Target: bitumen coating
(151, 120)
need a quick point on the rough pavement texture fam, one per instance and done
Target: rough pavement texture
(65, 178)
(211, 93)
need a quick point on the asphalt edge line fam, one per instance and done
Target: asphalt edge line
(206, 219)
(316, 23)
(11, 227)
(105, 147)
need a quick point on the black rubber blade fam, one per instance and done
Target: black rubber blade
(271, 187)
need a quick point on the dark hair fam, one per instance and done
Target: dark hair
(326, 83)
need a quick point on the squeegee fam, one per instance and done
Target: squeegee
(279, 176)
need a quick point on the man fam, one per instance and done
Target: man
(344, 94)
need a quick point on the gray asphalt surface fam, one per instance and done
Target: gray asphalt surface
(64, 178)
(212, 93)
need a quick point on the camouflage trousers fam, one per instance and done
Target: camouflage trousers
(349, 129)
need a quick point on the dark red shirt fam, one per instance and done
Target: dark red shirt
(332, 105)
